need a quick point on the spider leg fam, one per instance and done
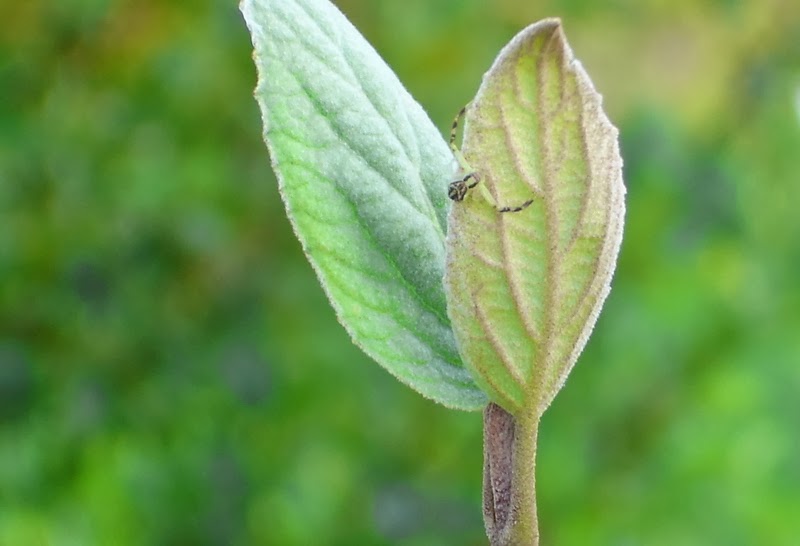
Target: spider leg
(515, 209)
(462, 162)
(454, 128)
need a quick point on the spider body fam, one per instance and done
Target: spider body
(457, 190)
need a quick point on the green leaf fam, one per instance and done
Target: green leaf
(524, 288)
(363, 174)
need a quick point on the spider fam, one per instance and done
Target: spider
(458, 189)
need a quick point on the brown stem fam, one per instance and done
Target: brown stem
(509, 483)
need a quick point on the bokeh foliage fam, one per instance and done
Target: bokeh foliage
(169, 365)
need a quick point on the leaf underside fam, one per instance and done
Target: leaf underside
(363, 173)
(524, 289)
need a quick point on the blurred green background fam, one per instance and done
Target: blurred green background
(171, 373)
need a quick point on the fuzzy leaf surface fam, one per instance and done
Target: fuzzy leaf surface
(525, 288)
(363, 173)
